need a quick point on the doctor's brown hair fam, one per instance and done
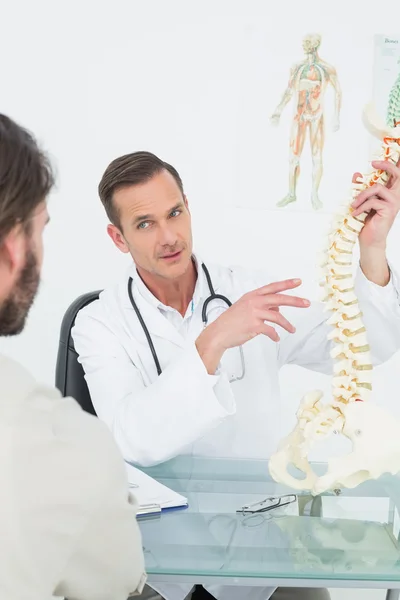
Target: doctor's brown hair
(26, 176)
(128, 170)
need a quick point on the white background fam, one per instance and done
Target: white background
(194, 82)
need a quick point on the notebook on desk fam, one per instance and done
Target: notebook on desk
(153, 497)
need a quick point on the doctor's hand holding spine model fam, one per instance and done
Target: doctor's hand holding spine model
(167, 385)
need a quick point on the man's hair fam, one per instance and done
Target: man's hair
(127, 170)
(26, 176)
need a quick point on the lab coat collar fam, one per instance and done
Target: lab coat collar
(155, 321)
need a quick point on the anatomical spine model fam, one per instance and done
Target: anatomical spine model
(373, 432)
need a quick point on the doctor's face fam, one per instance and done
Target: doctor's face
(155, 226)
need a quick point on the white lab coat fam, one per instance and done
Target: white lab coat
(185, 410)
(67, 524)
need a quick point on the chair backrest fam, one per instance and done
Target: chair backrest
(70, 377)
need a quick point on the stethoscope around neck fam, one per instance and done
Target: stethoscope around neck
(211, 297)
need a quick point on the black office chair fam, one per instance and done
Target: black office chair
(70, 379)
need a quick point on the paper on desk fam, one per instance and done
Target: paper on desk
(149, 491)
(356, 508)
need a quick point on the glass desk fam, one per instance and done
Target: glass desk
(346, 540)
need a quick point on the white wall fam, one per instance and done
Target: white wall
(186, 80)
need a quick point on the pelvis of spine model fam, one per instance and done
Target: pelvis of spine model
(373, 432)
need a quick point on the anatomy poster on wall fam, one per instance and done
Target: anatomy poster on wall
(306, 88)
(301, 135)
(386, 77)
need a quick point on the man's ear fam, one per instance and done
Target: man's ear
(13, 249)
(117, 237)
(186, 203)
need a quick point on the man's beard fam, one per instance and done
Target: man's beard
(15, 308)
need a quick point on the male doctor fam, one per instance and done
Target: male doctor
(163, 383)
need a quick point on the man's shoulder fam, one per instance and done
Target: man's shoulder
(15, 379)
(57, 436)
(24, 398)
(20, 392)
(63, 443)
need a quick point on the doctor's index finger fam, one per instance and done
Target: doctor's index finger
(279, 286)
(271, 300)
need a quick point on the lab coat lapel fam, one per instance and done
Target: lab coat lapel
(157, 324)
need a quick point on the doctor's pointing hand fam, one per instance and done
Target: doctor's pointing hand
(247, 318)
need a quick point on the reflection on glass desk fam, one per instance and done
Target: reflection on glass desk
(352, 537)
